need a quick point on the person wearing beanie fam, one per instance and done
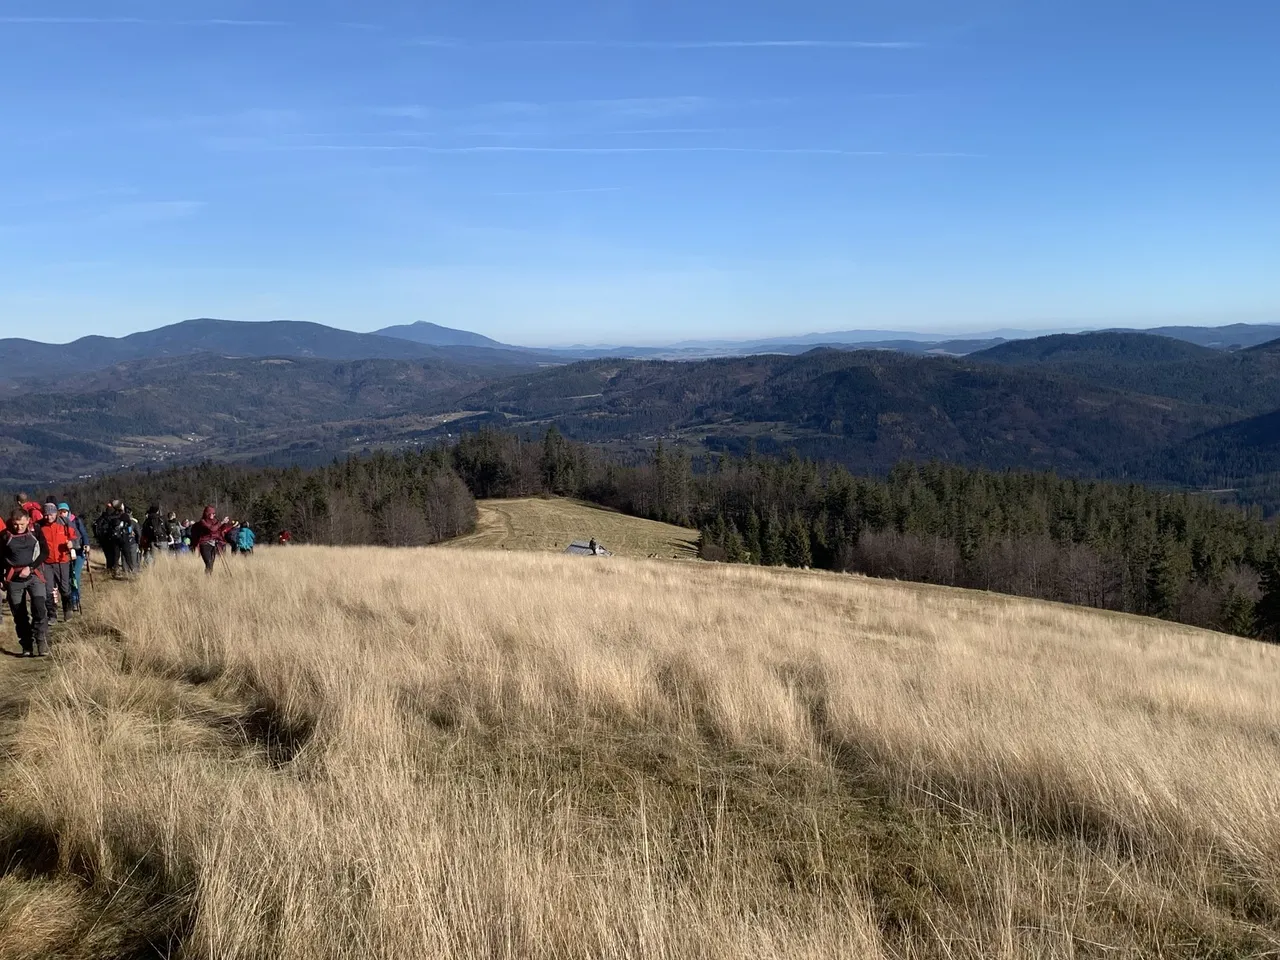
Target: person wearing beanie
(57, 564)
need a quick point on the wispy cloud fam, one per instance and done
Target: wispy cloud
(617, 107)
(600, 150)
(517, 119)
(565, 191)
(781, 44)
(166, 22)
(153, 211)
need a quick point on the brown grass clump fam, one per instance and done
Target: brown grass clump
(368, 753)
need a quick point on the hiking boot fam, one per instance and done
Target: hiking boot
(28, 652)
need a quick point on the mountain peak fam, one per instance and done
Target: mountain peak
(434, 335)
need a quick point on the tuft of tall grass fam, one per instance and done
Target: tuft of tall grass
(374, 753)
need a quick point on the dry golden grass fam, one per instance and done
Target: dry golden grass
(447, 754)
(547, 524)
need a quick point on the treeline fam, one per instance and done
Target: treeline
(402, 500)
(1119, 547)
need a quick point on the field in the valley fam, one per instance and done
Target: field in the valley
(539, 523)
(458, 754)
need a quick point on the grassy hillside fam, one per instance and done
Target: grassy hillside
(537, 523)
(443, 754)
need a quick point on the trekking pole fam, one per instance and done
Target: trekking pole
(226, 566)
(89, 569)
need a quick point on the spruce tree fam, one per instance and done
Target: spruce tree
(1162, 583)
(798, 548)
(734, 551)
(1238, 615)
(774, 552)
(1267, 613)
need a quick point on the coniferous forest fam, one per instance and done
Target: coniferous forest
(1120, 547)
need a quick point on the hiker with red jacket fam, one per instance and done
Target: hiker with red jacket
(30, 508)
(208, 537)
(58, 541)
(23, 552)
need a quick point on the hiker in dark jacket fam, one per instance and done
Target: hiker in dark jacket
(22, 554)
(208, 537)
(104, 532)
(153, 533)
(127, 536)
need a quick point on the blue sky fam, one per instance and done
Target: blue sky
(627, 170)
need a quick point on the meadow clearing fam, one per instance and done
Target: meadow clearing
(552, 523)
(438, 753)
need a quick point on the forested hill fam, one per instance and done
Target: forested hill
(1104, 348)
(863, 408)
(1246, 382)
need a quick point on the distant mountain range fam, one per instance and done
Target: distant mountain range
(1196, 410)
(1234, 337)
(281, 338)
(21, 358)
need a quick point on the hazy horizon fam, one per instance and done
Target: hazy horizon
(871, 334)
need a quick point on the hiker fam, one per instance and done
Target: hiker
(127, 537)
(153, 532)
(245, 539)
(80, 550)
(284, 538)
(173, 531)
(22, 554)
(208, 537)
(30, 507)
(57, 563)
(104, 533)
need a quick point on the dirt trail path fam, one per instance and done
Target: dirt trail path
(21, 677)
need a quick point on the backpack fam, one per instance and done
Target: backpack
(153, 528)
(102, 527)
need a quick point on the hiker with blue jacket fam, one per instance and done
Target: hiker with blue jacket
(79, 534)
(245, 539)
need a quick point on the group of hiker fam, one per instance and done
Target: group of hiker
(44, 552)
(127, 543)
